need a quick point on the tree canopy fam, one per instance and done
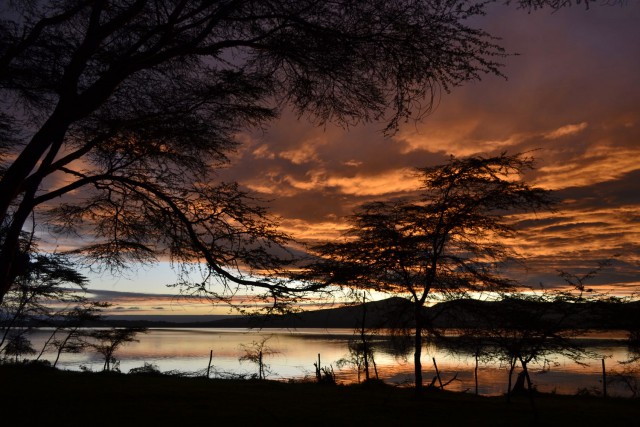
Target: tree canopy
(446, 242)
(115, 114)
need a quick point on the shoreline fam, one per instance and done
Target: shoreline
(42, 395)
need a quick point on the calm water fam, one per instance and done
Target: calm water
(187, 350)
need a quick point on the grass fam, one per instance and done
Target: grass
(41, 396)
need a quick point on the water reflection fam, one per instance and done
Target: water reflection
(187, 350)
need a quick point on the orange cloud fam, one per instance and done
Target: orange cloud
(566, 130)
(362, 185)
(263, 152)
(305, 153)
(603, 161)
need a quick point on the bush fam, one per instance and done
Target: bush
(327, 376)
(148, 369)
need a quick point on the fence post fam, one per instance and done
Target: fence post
(604, 379)
(437, 373)
(209, 366)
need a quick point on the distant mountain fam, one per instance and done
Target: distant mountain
(392, 312)
(397, 312)
(465, 313)
(589, 315)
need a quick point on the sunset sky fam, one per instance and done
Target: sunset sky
(571, 93)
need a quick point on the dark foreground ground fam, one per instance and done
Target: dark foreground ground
(44, 397)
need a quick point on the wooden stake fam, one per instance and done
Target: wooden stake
(475, 372)
(318, 373)
(604, 379)
(209, 366)
(438, 373)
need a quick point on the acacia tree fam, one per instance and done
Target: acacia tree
(70, 334)
(535, 328)
(256, 353)
(48, 287)
(50, 292)
(18, 345)
(116, 113)
(446, 241)
(532, 327)
(107, 341)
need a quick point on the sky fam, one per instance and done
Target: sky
(571, 93)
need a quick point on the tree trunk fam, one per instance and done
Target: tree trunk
(12, 262)
(62, 346)
(418, 351)
(512, 363)
(530, 390)
(527, 377)
(519, 387)
(46, 343)
(435, 365)
(12, 184)
(365, 347)
(375, 367)
(13, 320)
(13, 259)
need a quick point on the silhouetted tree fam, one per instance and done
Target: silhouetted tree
(632, 325)
(628, 376)
(107, 341)
(528, 328)
(134, 103)
(626, 314)
(535, 328)
(18, 345)
(70, 334)
(49, 292)
(532, 327)
(361, 354)
(48, 287)
(467, 342)
(447, 241)
(256, 353)
(360, 357)
(626, 311)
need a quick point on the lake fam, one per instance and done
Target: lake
(295, 351)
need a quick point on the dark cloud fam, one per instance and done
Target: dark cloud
(535, 222)
(112, 295)
(624, 191)
(564, 228)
